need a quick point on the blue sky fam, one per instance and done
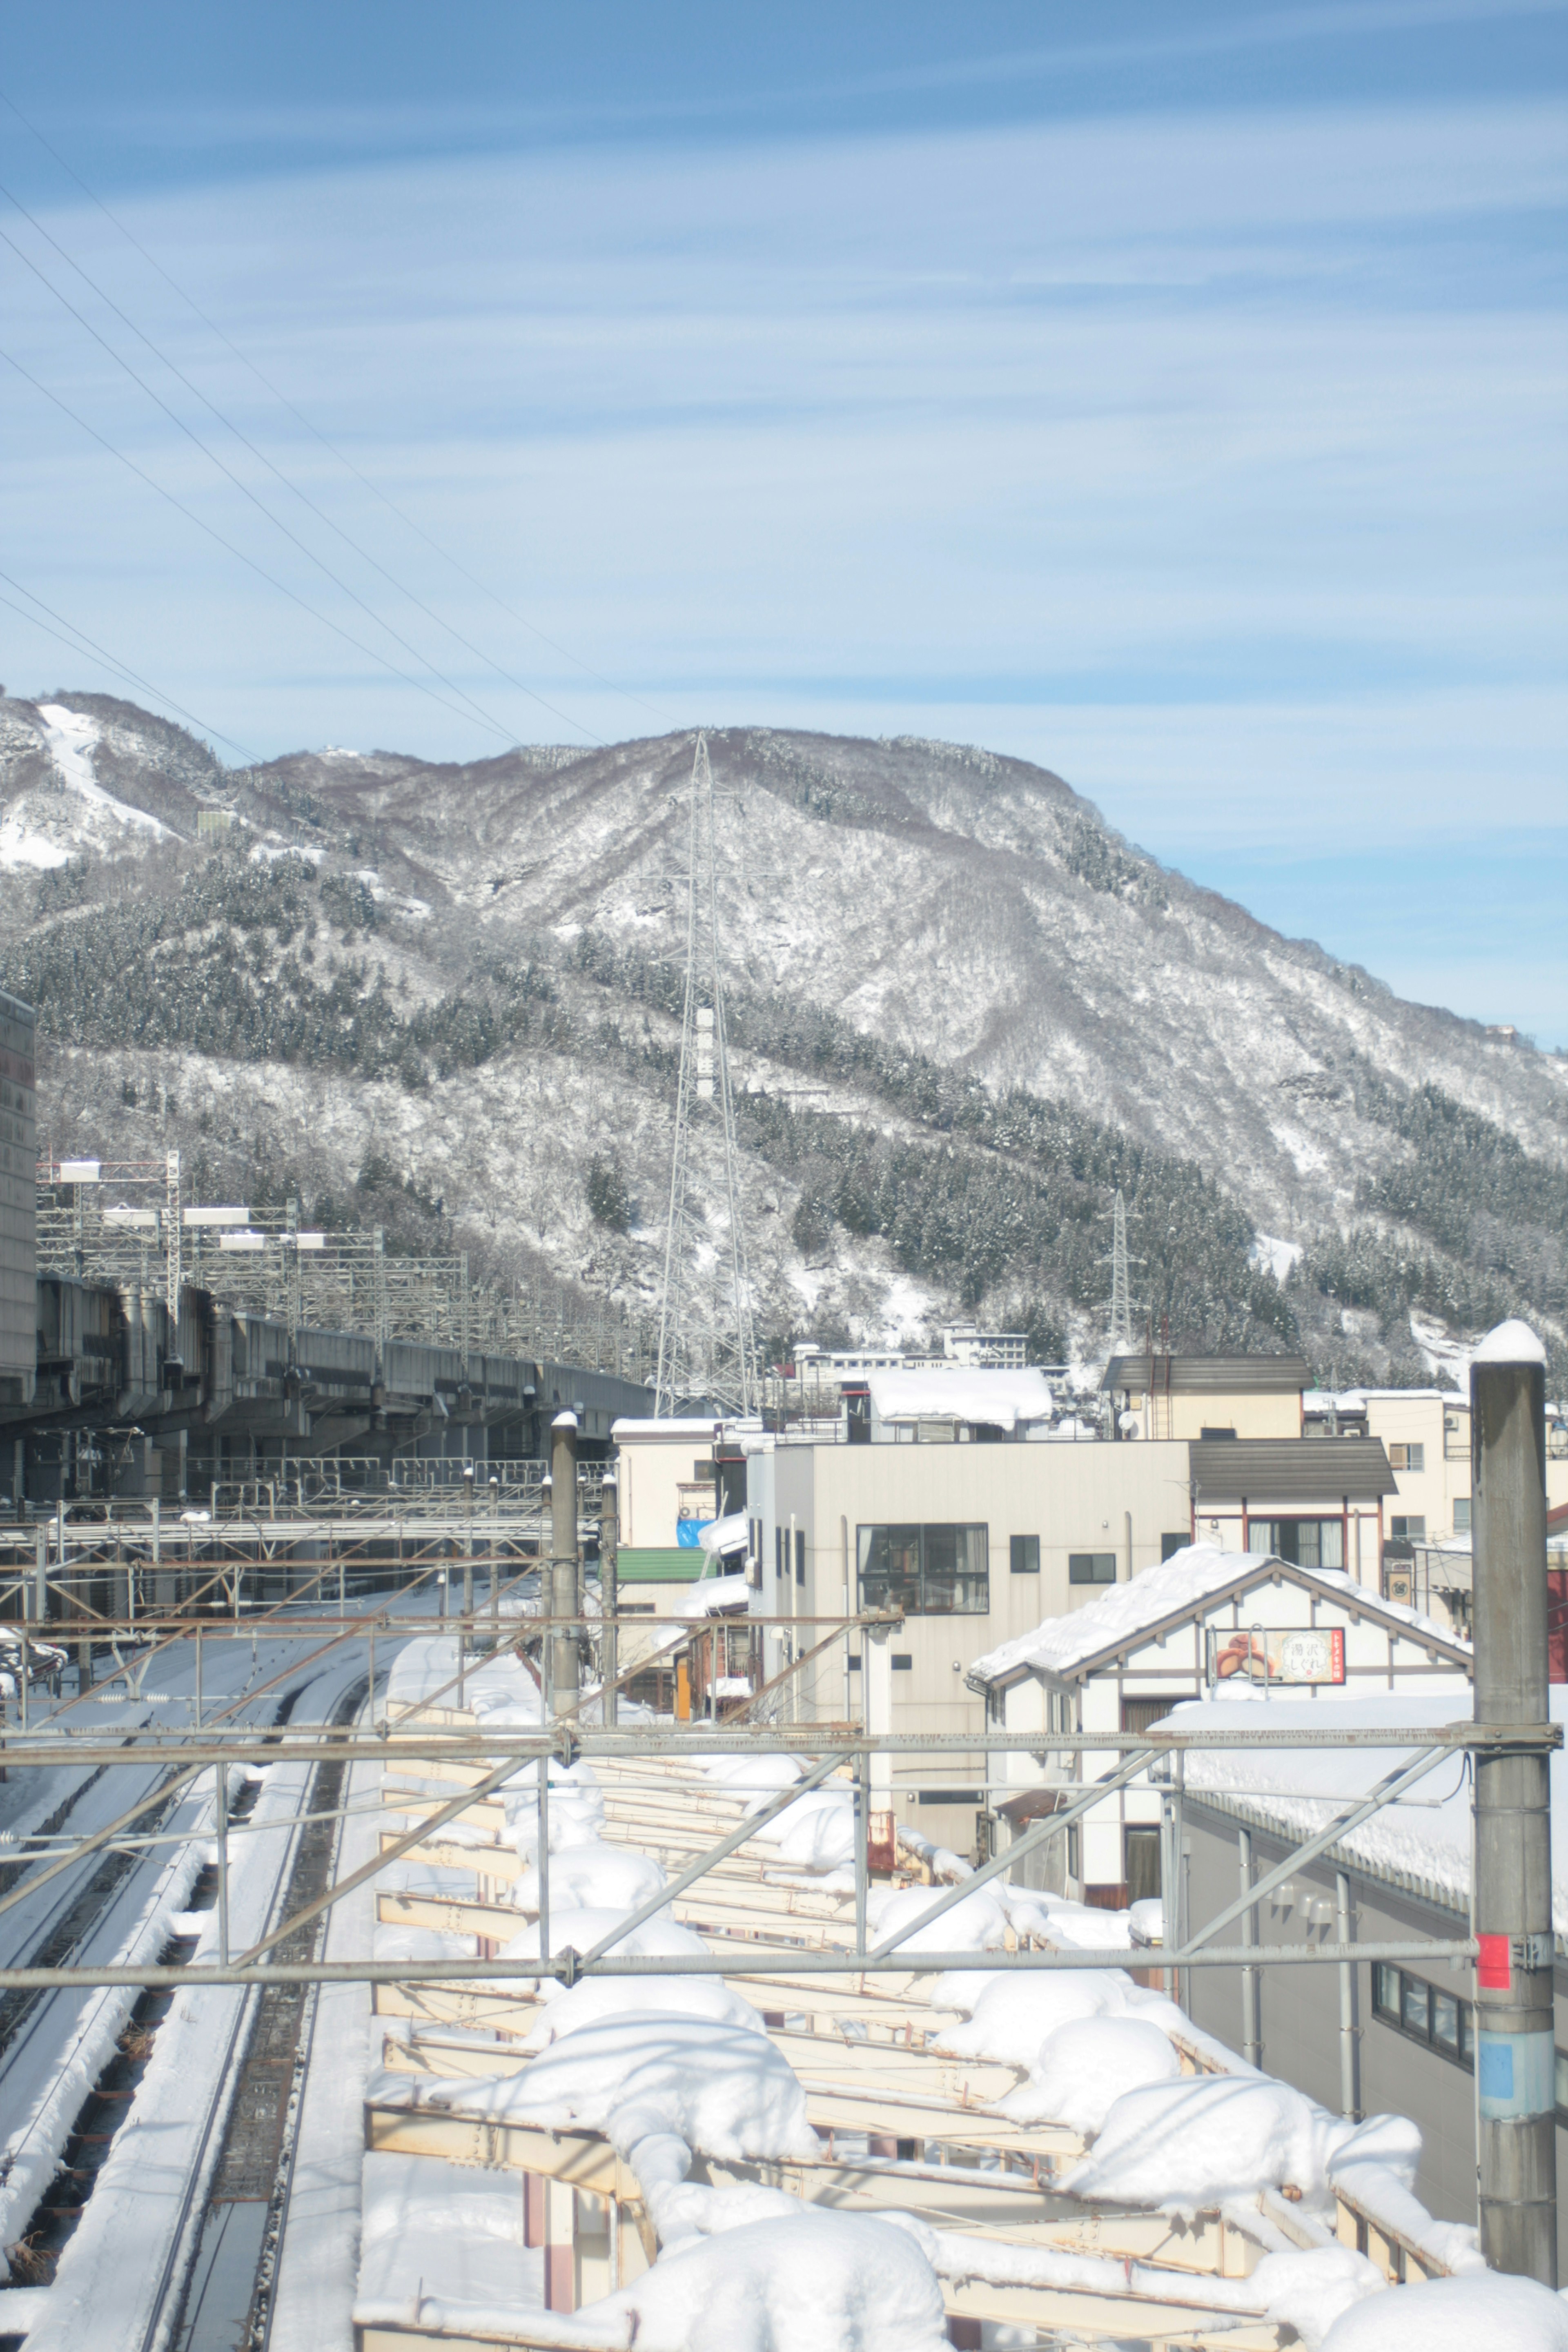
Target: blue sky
(1175, 396)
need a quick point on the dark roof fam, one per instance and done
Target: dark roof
(1265, 1471)
(1210, 1375)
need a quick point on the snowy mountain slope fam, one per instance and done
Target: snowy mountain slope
(879, 901)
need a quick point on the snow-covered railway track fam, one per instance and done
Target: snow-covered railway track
(222, 2256)
(128, 2264)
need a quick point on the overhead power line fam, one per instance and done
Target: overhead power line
(341, 459)
(323, 619)
(243, 487)
(262, 459)
(132, 678)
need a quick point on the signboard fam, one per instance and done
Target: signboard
(1269, 1654)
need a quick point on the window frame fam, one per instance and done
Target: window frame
(970, 1587)
(1392, 1988)
(1019, 1551)
(1096, 1561)
(1320, 1520)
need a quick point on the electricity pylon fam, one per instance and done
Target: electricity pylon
(707, 1347)
(1120, 1288)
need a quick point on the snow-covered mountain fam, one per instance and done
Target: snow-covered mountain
(964, 1009)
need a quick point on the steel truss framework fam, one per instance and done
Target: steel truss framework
(431, 1733)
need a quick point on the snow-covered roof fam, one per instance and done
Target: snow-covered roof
(731, 1533)
(963, 1392)
(1424, 1845)
(1180, 1586)
(641, 1431)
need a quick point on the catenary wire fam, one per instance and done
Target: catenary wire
(132, 678)
(293, 488)
(476, 707)
(637, 701)
(250, 560)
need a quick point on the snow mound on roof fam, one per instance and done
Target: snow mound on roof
(592, 1876)
(816, 1832)
(761, 1777)
(813, 2282)
(575, 1808)
(977, 1922)
(722, 2090)
(427, 2223)
(1454, 2315)
(1084, 2067)
(1012, 2014)
(1308, 2291)
(660, 1938)
(1186, 2146)
(597, 1999)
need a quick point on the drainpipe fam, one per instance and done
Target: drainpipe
(610, 1594)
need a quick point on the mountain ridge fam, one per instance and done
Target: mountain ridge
(926, 929)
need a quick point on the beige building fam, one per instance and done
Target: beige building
(1426, 1433)
(1194, 1397)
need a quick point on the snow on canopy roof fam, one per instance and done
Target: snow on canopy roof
(689, 1428)
(959, 1392)
(728, 1534)
(1426, 1845)
(1180, 1584)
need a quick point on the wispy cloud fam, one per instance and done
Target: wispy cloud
(1215, 460)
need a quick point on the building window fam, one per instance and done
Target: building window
(1024, 1555)
(1138, 1714)
(1461, 1515)
(1427, 2013)
(1176, 1540)
(1412, 1529)
(1305, 1543)
(1208, 1434)
(1091, 1568)
(1141, 1863)
(800, 1555)
(1408, 1457)
(926, 1571)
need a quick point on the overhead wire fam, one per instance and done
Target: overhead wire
(132, 678)
(475, 707)
(637, 701)
(260, 570)
(293, 488)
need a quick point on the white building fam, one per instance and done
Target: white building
(1204, 1623)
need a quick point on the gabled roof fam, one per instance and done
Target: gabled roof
(1210, 1375)
(1265, 1472)
(1181, 1589)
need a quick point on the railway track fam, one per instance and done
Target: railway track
(222, 2260)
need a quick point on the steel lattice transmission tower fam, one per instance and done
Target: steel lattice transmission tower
(707, 1346)
(1120, 1288)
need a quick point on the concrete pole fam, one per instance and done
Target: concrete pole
(564, 1600)
(610, 1591)
(1516, 2134)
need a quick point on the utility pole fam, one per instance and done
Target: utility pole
(707, 1347)
(564, 1598)
(1516, 2134)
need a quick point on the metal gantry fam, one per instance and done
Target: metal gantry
(707, 1345)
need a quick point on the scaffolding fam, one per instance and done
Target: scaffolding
(127, 1224)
